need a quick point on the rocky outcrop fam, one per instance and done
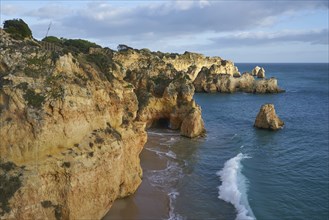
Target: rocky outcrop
(73, 124)
(254, 72)
(68, 134)
(192, 63)
(193, 125)
(73, 120)
(267, 118)
(163, 92)
(207, 82)
(259, 72)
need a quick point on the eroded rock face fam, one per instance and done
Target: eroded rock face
(193, 125)
(69, 133)
(73, 125)
(163, 89)
(210, 83)
(261, 73)
(267, 118)
(254, 72)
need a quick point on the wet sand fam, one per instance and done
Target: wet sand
(147, 202)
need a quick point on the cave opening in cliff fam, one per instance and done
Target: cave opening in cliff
(161, 123)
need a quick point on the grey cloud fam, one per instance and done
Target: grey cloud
(319, 37)
(9, 10)
(167, 19)
(51, 11)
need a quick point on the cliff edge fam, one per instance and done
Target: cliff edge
(74, 115)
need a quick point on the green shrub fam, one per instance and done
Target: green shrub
(17, 28)
(33, 99)
(123, 47)
(102, 61)
(52, 39)
(9, 184)
(79, 45)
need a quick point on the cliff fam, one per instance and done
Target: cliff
(73, 117)
(68, 134)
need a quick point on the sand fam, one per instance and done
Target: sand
(148, 202)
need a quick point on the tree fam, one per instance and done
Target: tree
(52, 39)
(17, 28)
(123, 47)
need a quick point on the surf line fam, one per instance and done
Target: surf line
(234, 187)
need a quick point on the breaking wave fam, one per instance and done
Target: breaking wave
(234, 187)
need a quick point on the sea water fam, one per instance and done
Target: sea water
(240, 172)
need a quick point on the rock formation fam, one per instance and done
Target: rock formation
(259, 72)
(67, 135)
(73, 124)
(73, 119)
(207, 82)
(267, 118)
(254, 72)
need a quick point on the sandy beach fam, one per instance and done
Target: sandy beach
(148, 202)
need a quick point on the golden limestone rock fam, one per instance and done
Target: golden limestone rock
(68, 134)
(74, 115)
(267, 118)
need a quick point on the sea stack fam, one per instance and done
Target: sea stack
(267, 118)
(259, 72)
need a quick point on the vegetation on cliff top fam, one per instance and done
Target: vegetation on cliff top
(17, 28)
(71, 45)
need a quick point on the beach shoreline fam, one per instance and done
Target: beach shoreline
(148, 202)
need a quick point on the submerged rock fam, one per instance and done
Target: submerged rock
(267, 118)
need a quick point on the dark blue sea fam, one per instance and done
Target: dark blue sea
(240, 172)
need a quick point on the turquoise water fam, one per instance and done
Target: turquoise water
(239, 172)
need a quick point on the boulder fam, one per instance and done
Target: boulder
(267, 118)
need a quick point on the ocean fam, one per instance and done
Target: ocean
(240, 172)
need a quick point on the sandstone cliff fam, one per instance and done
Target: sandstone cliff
(73, 124)
(68, 134)
(73, 119)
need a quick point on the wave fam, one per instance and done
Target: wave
(172, 198)
(234, 187)
(163, 133)
(167, 178)
(171, 154)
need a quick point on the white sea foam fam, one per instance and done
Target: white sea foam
(163, 133)
(158, 152)
(234, 187)
(171, 154)
(172, 199)
(166, 178)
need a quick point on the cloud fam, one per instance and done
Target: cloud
(51, 11)
(314, 37)
(10, 10)
(179, 25)
(182, 17)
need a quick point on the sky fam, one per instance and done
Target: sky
(241, 31)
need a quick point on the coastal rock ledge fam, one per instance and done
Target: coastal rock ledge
(267, 118)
